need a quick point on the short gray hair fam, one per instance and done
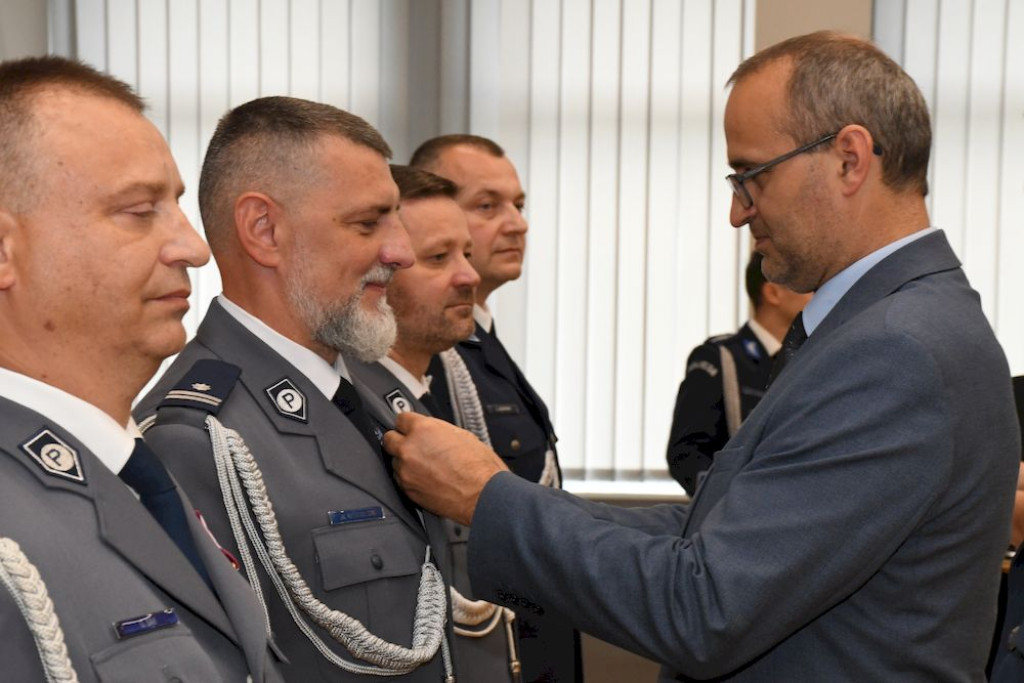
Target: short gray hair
(838, 80)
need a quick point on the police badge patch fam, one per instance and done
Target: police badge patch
(54, 456)
(398, 402)
(288, 400)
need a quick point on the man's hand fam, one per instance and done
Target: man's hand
(441, 467)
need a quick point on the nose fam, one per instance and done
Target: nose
(515, 221)
(395, 249)
(738, 215)
(465, 275)
(185, 245)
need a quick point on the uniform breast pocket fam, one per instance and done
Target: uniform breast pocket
(514, 433)
(371, 571)
(171, 656)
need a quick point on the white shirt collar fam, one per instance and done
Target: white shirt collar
(829, 294)
(483, 317)
(417, 387)
(110, 442)
(767, 339)
(322, 374)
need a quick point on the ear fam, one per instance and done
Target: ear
(855, 146)
(8, 229)
(257, 229)
(770, 293)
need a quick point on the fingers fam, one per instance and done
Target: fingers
(392, 441)
(406, 422)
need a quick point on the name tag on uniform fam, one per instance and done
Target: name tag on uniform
(502, 408)
(154, 621)
(336, 517)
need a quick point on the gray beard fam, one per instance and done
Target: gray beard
(348, 328)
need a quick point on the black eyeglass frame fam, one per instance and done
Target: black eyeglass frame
(736, 180)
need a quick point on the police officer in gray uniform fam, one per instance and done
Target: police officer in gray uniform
(433, 303)
(517, 419)
(106, 574)
(726, 377)
(259, 415)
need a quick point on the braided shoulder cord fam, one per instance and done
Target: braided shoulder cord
(242, 486)
(22, 581)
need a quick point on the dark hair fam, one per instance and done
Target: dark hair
(20, 81)
(755, 280)
(839, 80)
(270, 140)
(429, 153)
(415, 183)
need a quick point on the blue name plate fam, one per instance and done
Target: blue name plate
(153, 621)
(335, 517)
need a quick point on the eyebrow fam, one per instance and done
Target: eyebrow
(146, 188)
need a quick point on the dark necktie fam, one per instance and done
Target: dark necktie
(149, 478)
(795, 338)
(348, 400)
(430, 404)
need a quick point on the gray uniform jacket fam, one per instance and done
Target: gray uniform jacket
(486, 658)
(852, 530)
(106, 560)
(314, 461)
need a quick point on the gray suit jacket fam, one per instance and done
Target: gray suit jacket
(313, 461)
(104, 560)
(484, 658)
(852, 530)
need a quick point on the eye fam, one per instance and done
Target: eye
(438, 258)
(142, 210)
(369, 226)
(520, 206)
(485, 207)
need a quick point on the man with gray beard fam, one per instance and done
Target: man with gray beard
(258, 417)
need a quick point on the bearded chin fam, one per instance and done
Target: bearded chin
(356, 331)
(350, 329)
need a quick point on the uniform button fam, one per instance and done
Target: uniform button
(515, 444)
(1011, 642)
(458, 530)
(376, 561)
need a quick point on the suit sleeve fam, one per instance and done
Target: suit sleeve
(698, 424)
(785, 542)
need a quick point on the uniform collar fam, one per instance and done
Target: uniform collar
(768, 341)
(322, 374)
(417, 387)
(483, 318)
(110, 442)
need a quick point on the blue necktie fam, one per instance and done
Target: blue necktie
(149, 478)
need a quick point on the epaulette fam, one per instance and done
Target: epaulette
(717, 339)
(205, 386)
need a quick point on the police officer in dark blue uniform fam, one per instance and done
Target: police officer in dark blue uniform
(726, 378)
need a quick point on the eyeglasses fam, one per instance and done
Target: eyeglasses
(737, 180)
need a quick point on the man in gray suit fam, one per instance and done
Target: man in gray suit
(94, 253)
(853, 528)
(433, 304)
(258, 415)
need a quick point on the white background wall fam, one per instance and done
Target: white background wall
(611, 109)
